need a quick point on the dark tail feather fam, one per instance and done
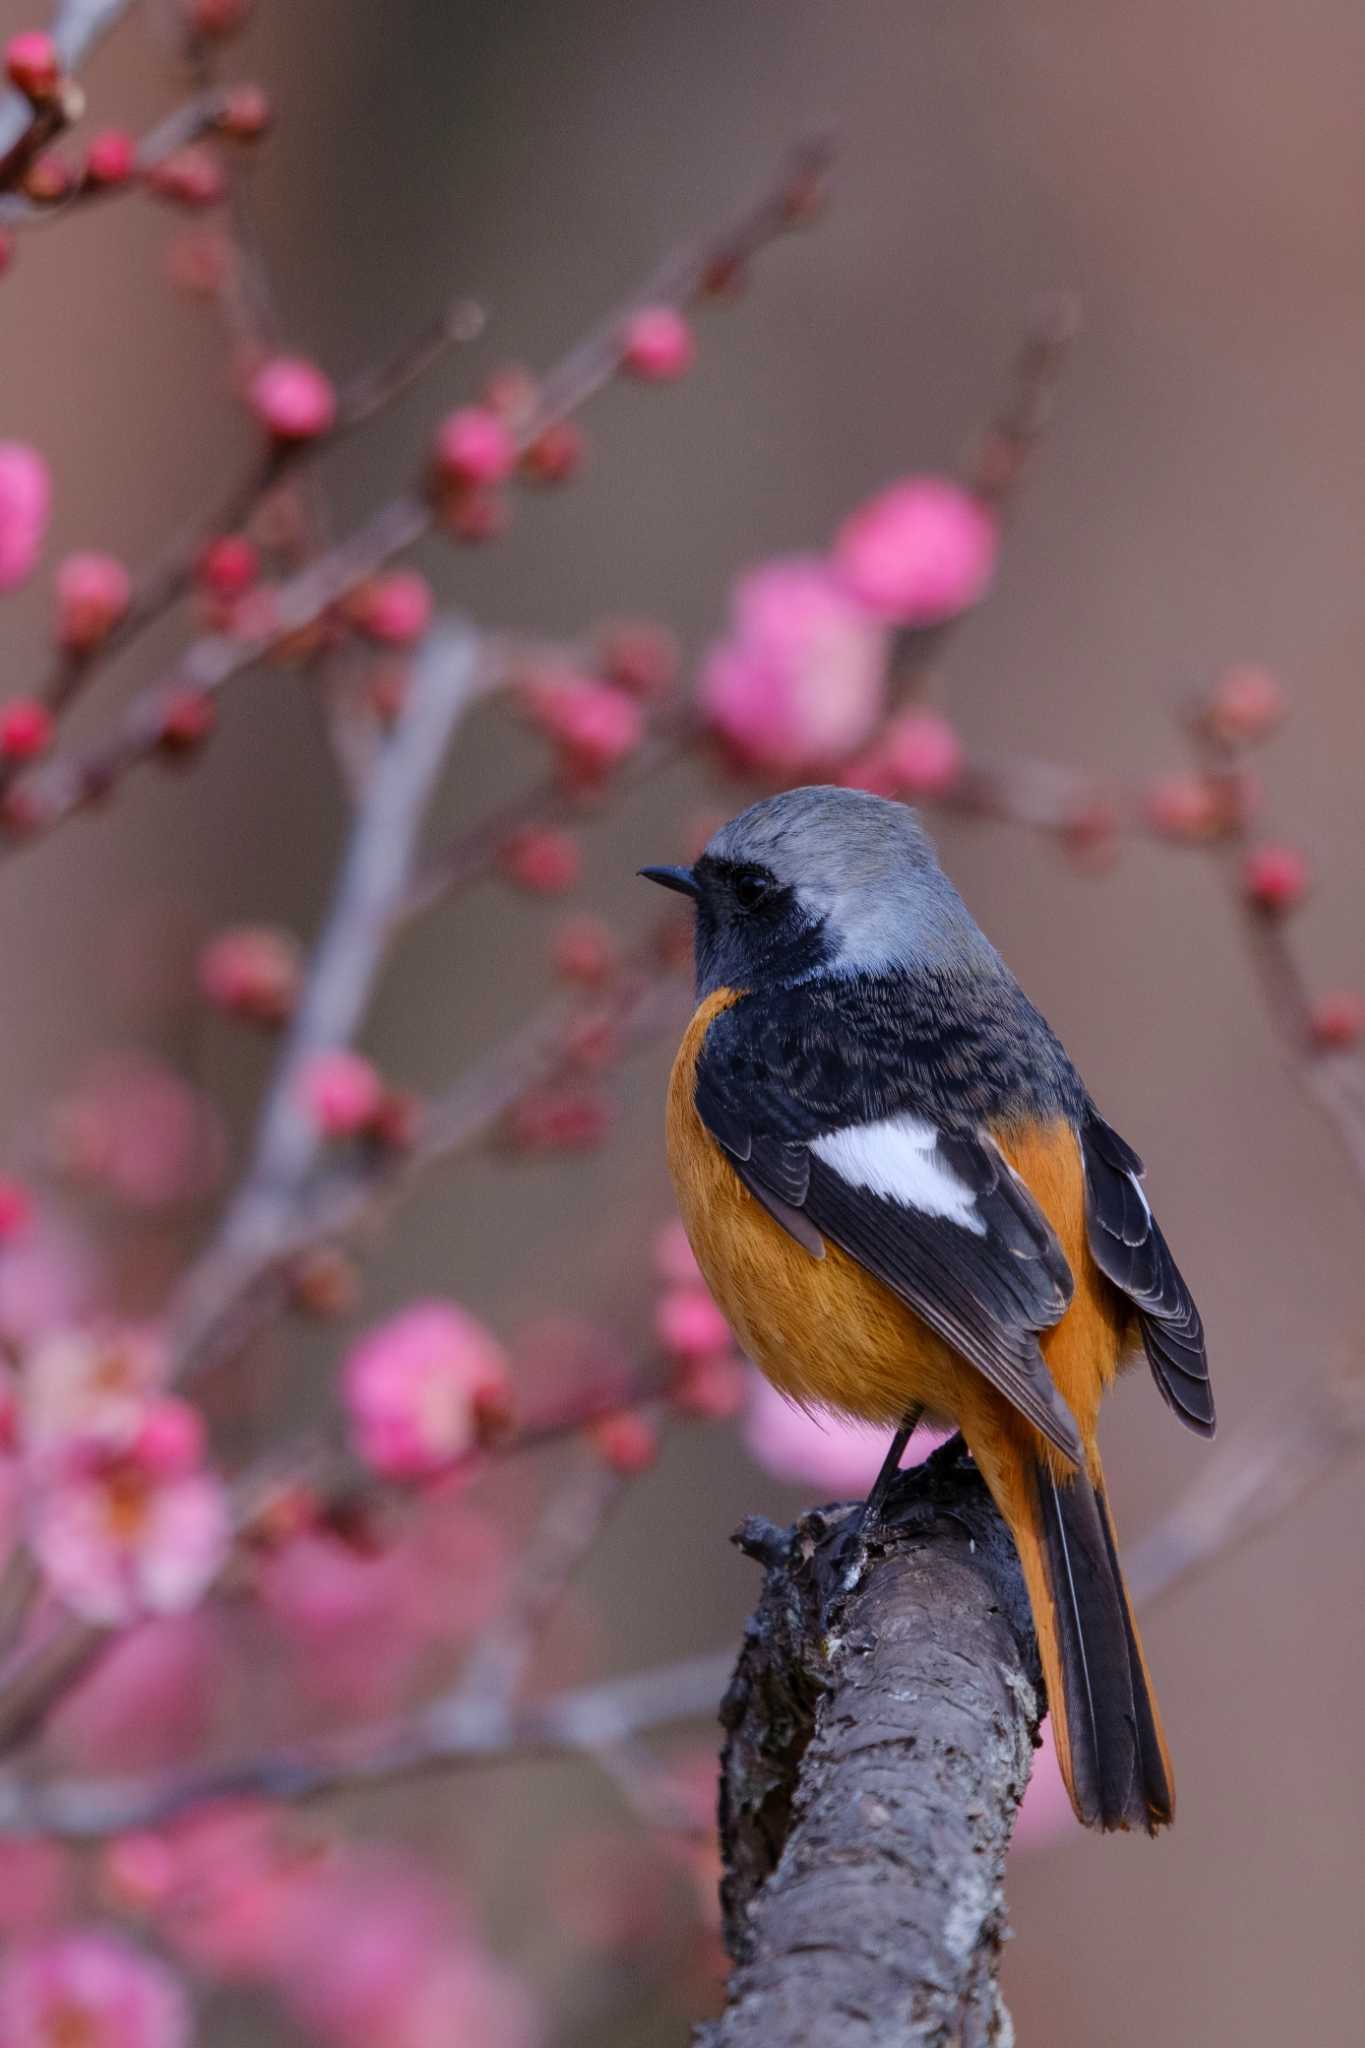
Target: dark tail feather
(1116, 1764)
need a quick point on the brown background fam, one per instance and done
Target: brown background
(1195, 170)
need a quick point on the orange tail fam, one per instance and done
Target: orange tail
(1108, 1730)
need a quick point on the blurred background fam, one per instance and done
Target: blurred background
(1194, 173)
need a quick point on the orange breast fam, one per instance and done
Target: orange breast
(824, 1331)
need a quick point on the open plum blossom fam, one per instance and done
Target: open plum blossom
(89, 1989)
(918, 553)
(420, 1388)
(798, 682)
(117, 1538)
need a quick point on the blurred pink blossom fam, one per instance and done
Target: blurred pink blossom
(117, 1542)
(133, 1125)
(150, 1700)
(918, 553)
(675, 1263)
(416, 1386)
(92, 1384)
(49, 1276)
(689, 1326)
(35, 1886)
(840, 1458)
(90, 1989)
(1045, 1814)
(799, 680)
(25, 503)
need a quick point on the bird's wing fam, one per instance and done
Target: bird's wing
(938, 1216)
(1127, 1245)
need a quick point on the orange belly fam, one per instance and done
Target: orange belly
(829, 1335)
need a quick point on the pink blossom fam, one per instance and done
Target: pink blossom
(918, 553)
(341, 1092)
(414, 1388)
(227, 567)
(90, 1989)
(840, 1458)
(111, 158)
(1337, 1020)
(91, 1384)
(93, 594)
(116, 1542)
(33, 64)
(657, 344)
(1247, 703)
(35, 1886)
(293, 399)
(542, 859)
(585, 952)
(798, 681)
(49, 1276)
(151, 1699)
(689, 1326)
(625, 1439)
(16, 1208)
(135, 1126)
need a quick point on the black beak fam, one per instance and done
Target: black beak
(681, 879)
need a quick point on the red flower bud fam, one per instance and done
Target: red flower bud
(657, 344)
(625, 1440)
(33, 65)
(292, 399)
(556, 455)
(1337, 1020)
(228, 567)
(93, 594)
(111, 158)
(541, 859)
(1276, 878)
(26, 729)
(473, 446)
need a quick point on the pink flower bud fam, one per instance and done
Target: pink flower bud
(93, 594)
(228, 567)
(542, 859)
(16, 1209)
(798, 683)
(625, 1440)
(688, 1325)
(1337, 1020)
(585, 952)
(191, 177)
(188, 716)
(555, 455)
(1184, 807)
(171, 1438)
(657, 344)
(1247, 704)
(1276, 878)
(246, 112)
(342, 1092)
(26, 729)
(25, 504)
(918, 553)
(923, 753)
(558, 1120)
(474, 446)
(418, 1387)
(594, 725)
(33, 65)
(710, 1389)
(639, 656)
(111, 158)
(252, 971)
(292, 399)
(395, 609)
(217, 19)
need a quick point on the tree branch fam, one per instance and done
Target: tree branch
(881, 1724)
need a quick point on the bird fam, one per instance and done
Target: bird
(906, 1203)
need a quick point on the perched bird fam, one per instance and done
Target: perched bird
(904, 1200)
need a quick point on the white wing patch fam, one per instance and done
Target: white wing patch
(895, 1160)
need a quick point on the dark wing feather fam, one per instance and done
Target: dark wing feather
(986, 1293)
(1127, 1245)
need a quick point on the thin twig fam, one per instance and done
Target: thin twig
(77, 26)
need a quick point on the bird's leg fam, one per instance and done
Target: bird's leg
(886, 1478)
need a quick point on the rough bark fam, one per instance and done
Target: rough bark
(881, 1723)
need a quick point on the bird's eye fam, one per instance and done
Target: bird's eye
(750, 890)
